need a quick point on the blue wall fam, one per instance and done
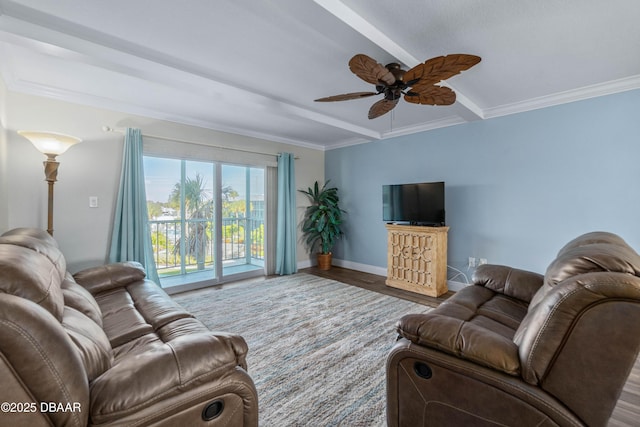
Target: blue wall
(517, 187)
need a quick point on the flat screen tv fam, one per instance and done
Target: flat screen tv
(416, 204)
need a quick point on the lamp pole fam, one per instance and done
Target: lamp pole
(51, 145)
(51, 174)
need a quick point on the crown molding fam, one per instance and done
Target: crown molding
(408, 130)
(593, 91)
(36, 89)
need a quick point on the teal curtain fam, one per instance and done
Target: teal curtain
(130, 240)
(286, 258)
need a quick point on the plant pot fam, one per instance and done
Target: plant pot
(324, 261)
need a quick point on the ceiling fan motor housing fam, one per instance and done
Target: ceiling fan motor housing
(392, 93)
(396, 70)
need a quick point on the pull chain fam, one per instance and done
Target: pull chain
(391, 117)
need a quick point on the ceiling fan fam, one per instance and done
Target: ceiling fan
(418, 85)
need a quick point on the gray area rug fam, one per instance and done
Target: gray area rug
(317, 347)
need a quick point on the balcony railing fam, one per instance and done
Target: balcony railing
(183, 246)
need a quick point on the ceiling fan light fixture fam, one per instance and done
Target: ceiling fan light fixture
(422, 84)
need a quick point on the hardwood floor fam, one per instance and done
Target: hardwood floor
(626, 413)
(375, 283)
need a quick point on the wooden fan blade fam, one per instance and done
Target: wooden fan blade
(440, 68)
(382, 107)
(430, 95)
(370, 71)
(346, 96)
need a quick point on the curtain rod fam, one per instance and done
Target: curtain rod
(164, 138)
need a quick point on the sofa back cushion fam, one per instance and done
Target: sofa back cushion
(581, 341)
(591, 238)
(591, 272)
(593, 257)
(36, 233)
(26, 273)
(591, 252)
(39, 241)
(90, 341)
(77, 297)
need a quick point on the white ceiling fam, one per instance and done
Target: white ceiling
(254, 67)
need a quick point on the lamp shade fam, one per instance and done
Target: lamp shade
(50, 143)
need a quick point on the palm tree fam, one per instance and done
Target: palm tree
(198, 208)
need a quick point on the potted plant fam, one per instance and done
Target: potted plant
(322, 223)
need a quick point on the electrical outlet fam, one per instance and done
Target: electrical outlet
(482, 261)
(472, 261)
(93, 201)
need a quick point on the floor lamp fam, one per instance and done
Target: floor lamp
(51, 145)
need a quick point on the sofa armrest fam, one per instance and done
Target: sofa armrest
(166, 371)
(110, 276)
(515, 283)
(462, 393)
(462, 339)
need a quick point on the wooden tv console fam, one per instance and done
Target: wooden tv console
(417, 258)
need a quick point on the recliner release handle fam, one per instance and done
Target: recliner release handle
(213, 410)
(422, 370)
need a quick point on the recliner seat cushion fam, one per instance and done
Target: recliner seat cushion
(162, 372)
(136, 310)
(476, 324)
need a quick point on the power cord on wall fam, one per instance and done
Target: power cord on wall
(459, 273)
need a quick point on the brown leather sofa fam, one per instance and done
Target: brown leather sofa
(105, 347)
(521, 349)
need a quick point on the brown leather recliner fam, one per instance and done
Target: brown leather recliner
(521, 349)
(106, 347)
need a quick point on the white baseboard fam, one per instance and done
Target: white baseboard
(365, 268)
(305, 264)
(373, 269)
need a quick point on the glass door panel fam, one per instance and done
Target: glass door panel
(242, 200)
(197, 244)
(162, 179)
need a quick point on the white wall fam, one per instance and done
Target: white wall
(92, 168)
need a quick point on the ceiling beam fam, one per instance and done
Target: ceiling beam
(465, 107)
(49, 35)
(364, 27)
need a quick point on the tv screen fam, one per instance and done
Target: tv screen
(419, 204)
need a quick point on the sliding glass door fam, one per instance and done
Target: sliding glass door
(242, 219)
(206, 220)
